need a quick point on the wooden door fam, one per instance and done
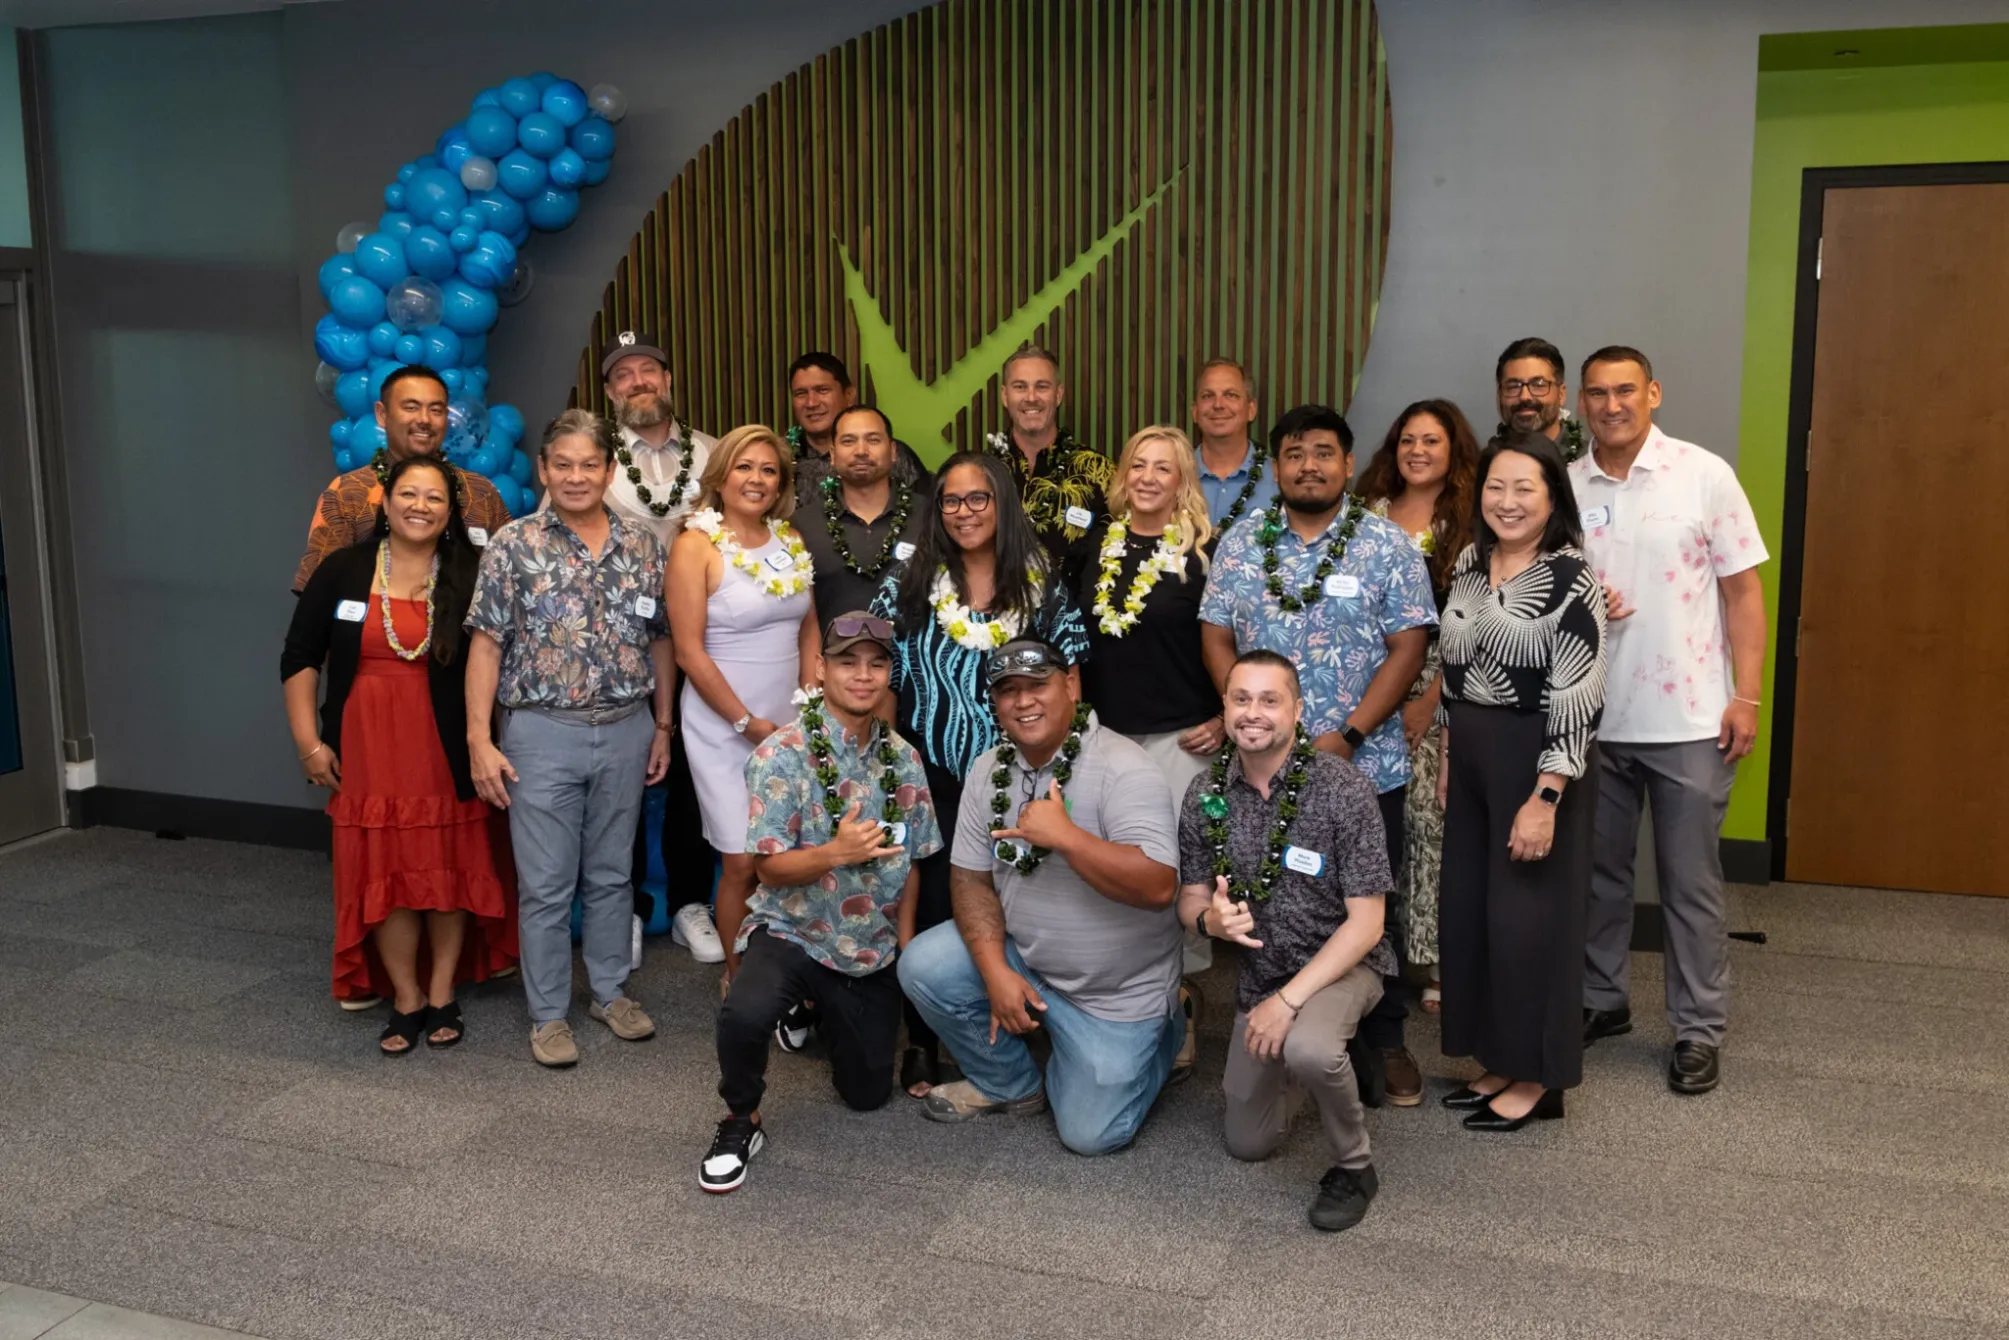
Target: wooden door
(1901, 731)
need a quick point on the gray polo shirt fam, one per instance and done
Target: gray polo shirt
(1115, 962)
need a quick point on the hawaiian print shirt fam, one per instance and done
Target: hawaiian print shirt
(1067, 475)
(575, 630)
(848, 919)
(346, 514)
(1380, 586)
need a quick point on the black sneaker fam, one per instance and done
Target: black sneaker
(1342, 1200)
(737, 1141)
(792, 1034)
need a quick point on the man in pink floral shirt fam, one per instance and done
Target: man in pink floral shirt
(1672, 537)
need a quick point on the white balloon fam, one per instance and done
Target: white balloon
(345, 241)
(413, 303)
(518, 287)
(478, 174)
(325, 377)
(608, 101)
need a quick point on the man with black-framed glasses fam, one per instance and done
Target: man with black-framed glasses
(1528, 378)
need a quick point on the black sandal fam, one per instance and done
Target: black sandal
(406, 1026)
(444, 1016)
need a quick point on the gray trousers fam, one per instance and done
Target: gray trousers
(1689, 787)
(572, 815)
(1264, 1095)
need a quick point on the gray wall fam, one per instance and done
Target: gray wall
(1578, 168)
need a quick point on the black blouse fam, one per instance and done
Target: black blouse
(1153, 679)
(1534, 645)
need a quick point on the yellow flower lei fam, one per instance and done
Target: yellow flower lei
(768, 580)
(959, 621)
(1164, 559)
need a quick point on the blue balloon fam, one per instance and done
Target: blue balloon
(333, 270)
(383, 339)
(394, 196)
(519, 97)
(380, 258)
(453, 377)
(488, 459)
(505, 421)
(456, 155)
(512, 495)
(410, 349)
(406, 173)
(462, 240)
(520, 468)
(491, 132)
(345, 460)
(567, 168)
(473, 217)
(552, 210)
(473, 348)
(491, 262)
(357, 302)
(465, 309)
(520, 236)
(476, 379)
(597, 170)
(442, 348)
(593, 138)
(379, 372)
(446, 220)
(338, 434)
(424, 161)
(428, 252)
(543, 79)
(500, 211)
(341, 346)
(520, 174)
(366, 438)
(434, 190)
(352, 392)
(565, 103)
(486, 98)
(397, 223)
(540, 134)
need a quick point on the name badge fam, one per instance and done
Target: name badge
(895, 833)
(1595, 517)
(645, 606)
(1303, 861)
(903, 551)
(477, 536)
(780, 560)
(1080, 518)
(352, 611)
(1342, 584)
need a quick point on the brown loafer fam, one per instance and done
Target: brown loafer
(1405, 1081)
(626, 1018)
(552, 1045)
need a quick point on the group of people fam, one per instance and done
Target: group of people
(996, 754)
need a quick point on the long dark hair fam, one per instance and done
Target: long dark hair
(1017, 548)
(1451, 518)
(1565, 527)
(458, 558)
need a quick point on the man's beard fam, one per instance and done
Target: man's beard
(1545, 414)
(1304, 502)
(643, 411)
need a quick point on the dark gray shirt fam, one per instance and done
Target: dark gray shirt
(839, 589)
(1339, 818)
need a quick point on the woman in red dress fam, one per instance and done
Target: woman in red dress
(425, 893)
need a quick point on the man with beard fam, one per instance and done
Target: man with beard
(863, 515)
(819, 390)
(1063, 886)
(411, 409)
(840, 812)
(1529, 381)
(1234, 473)
(1060, 481)
(1345, 597)
(1313, 927)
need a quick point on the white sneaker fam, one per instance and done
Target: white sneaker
(692, 928)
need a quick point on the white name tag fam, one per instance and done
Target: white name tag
(1080, 518)
(1304, 862)
(903, 551)
(1597, 516)
(895, 833)
(780, 560)
(645, 606)
(1342, 584)
(352, 611)
(477, 536)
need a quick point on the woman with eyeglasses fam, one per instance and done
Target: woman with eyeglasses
(978, 578)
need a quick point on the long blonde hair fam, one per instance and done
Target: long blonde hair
(726, 454)
(1189, 506)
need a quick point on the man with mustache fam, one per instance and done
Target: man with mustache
(411, 409)
(864, 515)
(819, 391)
(1528, 378)
(1060, 481)
(1345, 597)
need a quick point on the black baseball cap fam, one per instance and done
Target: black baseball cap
(1027, 656)
(631, 342)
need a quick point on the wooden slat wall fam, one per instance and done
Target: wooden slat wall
(968, 152)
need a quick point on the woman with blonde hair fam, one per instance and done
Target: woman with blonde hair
(743, 623)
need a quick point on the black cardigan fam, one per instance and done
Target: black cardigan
(317, 640)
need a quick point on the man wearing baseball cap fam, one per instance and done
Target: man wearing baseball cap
(838, 812)
(1063, 875)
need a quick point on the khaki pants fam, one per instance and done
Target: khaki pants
(1264, 1095)
(1179, 768)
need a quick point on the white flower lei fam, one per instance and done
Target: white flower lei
(1164, 559)
(770, 582)
(959, 621)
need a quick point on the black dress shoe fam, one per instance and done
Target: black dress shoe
(1465, 1098)
(1606, 1023)
(1694, 1068)
(1549, 1107)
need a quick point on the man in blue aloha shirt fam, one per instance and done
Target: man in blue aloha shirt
(1346, 596)
(838, 813)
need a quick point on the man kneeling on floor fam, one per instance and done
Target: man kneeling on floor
(1062, 881)
(1281, 851)
(839, 812)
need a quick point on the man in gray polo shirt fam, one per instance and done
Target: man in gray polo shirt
(1063, 875)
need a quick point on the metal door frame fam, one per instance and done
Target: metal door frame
(31, 799)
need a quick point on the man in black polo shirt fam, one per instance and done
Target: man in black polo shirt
(819, 391)
(864, 516)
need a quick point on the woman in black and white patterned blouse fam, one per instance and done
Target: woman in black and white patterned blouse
(1523, 645)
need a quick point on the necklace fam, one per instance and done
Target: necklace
(1257, 459)
(1066, 476)
(390, 630)
(1018, 855)
(679, 486)
(1272, 525)
(960, 622)
(822, 763)
(772, 580)
(903, 503)
(1165, 558)
(1214, 805)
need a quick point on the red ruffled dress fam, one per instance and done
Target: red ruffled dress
(403, 839)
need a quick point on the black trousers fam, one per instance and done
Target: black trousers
(859, 1019)
(935, 906)
(1382, 1026)
(687, 857)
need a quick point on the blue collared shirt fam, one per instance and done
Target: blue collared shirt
(1223, 490)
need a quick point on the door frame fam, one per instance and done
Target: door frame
(1815, 183)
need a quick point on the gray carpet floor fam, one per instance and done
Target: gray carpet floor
(189, 1127)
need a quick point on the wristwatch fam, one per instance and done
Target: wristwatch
(1548, 795)
(739, 727)
(1352, 735)
(1200, 925)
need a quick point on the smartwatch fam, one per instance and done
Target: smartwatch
(1549, 796)
(1352, 735)
(1200, 925)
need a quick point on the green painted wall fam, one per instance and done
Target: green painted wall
(1940, 113)
(15, 228)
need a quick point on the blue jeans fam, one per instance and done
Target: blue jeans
(1103, 1076)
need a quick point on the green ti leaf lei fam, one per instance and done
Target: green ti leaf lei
(823, 763)
(1214, 805)
(903, 505)
(1026, 859)
(1271, 526)
(1257, 459)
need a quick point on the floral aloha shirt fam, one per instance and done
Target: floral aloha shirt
(847, 920)
(1381, 586)
(575, 630)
